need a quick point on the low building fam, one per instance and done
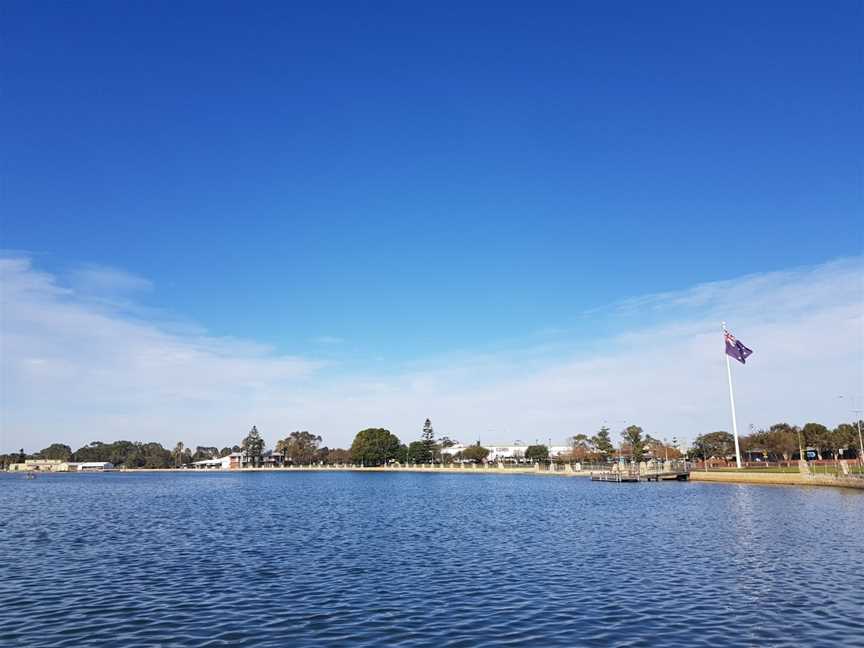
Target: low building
(38, 465)
(219, 463)
(95, 466)
(239, 460)
(506, 453)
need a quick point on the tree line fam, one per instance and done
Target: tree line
(132, 454)
(783, 442)
(634, 444)
(379, 446)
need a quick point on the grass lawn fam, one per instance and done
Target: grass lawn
(816, 470)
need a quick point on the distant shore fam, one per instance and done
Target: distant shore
(724, 477)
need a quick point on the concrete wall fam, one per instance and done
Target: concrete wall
(785, 479)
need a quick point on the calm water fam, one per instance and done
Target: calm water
(417, 560)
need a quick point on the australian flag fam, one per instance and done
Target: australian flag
(735, 349)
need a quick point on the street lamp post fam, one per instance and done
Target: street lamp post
(800, 444)
(860, 439)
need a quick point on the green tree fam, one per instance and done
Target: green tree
(56, 451)
(837, 439)
(178, 454)
(536, 453)
(299, 447)
(780, 440)
(416, 452)
(632, 436)
(817, 436)
(427, 438)
(205, 452)
(224, 452)
(475, 453)
(602, 442)
(375, 447)
(845, 436)
(94, 451)
(253, 446)
(714, 445)
(153, 455)
(118, 451)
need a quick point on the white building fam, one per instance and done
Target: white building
(503, 452)
(220, 463)
(95, 466)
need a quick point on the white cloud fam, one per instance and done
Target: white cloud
(74, 370)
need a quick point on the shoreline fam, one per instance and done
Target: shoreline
(776, 479)
(726, 477)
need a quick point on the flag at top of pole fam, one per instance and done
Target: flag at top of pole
(737, 350)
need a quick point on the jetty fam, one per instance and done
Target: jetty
(645, 471)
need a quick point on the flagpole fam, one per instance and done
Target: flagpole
(732, 403)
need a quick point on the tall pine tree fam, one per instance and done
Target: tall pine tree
(427, 438)
(253, 445)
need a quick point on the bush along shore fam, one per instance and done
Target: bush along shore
(781, 454)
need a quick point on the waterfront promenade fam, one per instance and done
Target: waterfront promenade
(728, 477)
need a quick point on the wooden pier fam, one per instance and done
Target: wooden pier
(635, 476)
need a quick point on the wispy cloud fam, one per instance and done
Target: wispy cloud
(106, 281)
(75, 370)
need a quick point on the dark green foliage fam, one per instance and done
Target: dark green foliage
(417, 453)
(374, 447)
(179, 449)
(537, 453)
(632, 436)
(427, 438)
(56, 451)
(780, 441)
(475, 454)
(253, 446)
(817, 436)
(126, 453)
(300, 447)
(719, 445)
(843, 436)
(602, 443)
(206, 452)
(7, 460)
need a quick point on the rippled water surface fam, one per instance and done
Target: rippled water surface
(279, 559)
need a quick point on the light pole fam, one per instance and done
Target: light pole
(800, 444)
(860, 439)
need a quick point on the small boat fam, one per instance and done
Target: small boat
(30, 475)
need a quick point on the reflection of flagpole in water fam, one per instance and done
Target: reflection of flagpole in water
(732, 404)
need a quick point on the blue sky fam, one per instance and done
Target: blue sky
(372, 188)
